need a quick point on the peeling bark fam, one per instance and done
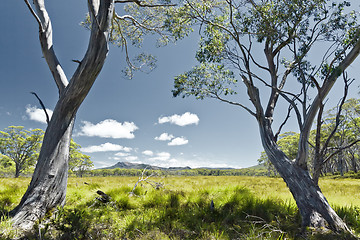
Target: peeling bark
(47, 189)
(313, 206)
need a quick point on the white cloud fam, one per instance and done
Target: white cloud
(122, 154)
(173, 160)
(164, 137)
(105, 147)
(148, 153)
(131, 158)
(162, 156)
(37, 114)
(109, 128)
(180, 120)
(178, 141)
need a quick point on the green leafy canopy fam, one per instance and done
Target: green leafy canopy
(232, 33)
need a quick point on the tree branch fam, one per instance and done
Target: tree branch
(283, 123)
(140, 4)
(338, 114)
(43, 107)
(215, 95)
(45, 35)
(137, 23)
(325, 89)
(340, 149)
(34, 14)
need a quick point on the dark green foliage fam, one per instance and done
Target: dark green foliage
(185, 172)
(73, 223)
(351, 215)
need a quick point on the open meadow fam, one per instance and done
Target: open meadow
(199, 207)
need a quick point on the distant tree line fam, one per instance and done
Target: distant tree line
(339, 149)
(183, 172)
(19, 150)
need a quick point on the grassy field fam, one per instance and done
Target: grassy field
(244, 208)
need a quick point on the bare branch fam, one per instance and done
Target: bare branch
(293, 104)
(340, 149)
(215, 95)
(154, 184)
(43, 107)
(338, 114)
(34, 14)
(283, 123)
(140, 4)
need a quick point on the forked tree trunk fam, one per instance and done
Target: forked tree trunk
(49, 182)
(313, 206)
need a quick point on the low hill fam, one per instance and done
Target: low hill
(136, 169)
(129, 165)
(258, 167)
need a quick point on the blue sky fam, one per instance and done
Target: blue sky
(134, 120)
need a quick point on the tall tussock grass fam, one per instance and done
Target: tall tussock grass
(186, 208)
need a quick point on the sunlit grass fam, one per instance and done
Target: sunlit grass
(343, 192)
(244, 208)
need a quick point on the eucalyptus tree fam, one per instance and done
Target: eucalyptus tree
(20, 147)
(342, 126)
(47, 188)
(275, 52)
(325, 135)
(78, 162)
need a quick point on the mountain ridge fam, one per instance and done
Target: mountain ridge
(129, 165)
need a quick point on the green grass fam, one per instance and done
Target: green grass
(244, 208)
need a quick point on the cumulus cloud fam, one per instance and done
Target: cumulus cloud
(162, 156)
(173, 141)
(148, 153)
(122, 154)
(180, 120)
(37, 114)
(178, 141)
(131, 158)
(105, 147)
(164, 137)
(109, 128)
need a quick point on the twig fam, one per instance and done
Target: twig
(43, 107)
(140, 4)
(156, 185)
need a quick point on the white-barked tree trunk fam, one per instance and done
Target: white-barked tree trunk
(47, 189)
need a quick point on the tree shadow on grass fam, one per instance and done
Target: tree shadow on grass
(229, 214)
(240, 217)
